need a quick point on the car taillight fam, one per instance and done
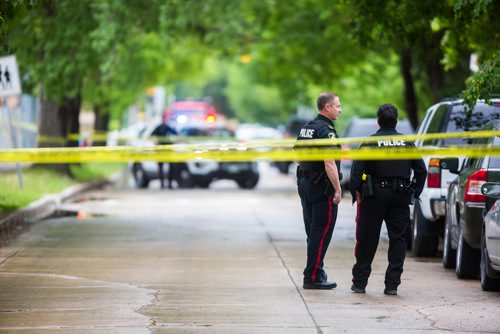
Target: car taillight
(473, 187)
(434, 174)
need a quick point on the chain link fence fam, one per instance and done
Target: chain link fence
(25, 123)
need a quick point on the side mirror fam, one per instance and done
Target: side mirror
(491, 189)
(451, 164)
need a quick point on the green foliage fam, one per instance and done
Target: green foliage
(95, 171)
(38, 182)
(485, 83)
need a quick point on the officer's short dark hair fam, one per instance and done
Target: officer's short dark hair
(325, 98)
(387, 116)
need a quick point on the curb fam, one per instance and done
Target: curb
(14, 224)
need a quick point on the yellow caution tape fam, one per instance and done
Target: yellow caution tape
(166, 154)
(266, 150)
(25, 125)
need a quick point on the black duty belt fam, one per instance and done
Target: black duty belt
(393, 183)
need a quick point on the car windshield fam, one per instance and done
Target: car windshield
(459, 121)
(209, 132)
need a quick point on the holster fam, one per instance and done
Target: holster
(367, 187)
(411, 189)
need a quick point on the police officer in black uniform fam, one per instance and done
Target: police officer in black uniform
(384, 190)
(160, 134)
(320, 193)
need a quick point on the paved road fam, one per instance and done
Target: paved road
(215, 261)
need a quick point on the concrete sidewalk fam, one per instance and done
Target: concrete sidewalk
(217, 261)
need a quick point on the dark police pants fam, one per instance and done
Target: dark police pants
(320, 215)
(393, 207)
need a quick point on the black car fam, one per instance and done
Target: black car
(465, 207)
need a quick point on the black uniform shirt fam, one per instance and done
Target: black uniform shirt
(319, 128)
(386, 169)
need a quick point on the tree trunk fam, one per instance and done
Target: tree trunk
(56, 122)
(101, 126)
(409, 89)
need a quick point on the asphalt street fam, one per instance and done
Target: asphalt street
(218, 260)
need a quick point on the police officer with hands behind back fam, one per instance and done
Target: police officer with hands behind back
(320, 193)
(384, 191)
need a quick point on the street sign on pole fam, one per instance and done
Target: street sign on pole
(9, 77)
(10, 85)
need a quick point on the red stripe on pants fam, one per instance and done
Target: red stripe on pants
(325, 231)
(358, 209)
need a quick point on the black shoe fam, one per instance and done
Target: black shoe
(324, 285)
(356, 289)
(390, 291)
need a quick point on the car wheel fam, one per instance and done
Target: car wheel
(203, 182)
(183, 177)
(248, 181)
(487, 283)
(468, 259)
(284, 166)
(449, 254)
(422, 243)
(141, 180)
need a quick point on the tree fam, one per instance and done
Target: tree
(476, 25)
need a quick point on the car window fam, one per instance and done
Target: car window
(495, 161)
(458, 121)
(435, 124)
(197, 132)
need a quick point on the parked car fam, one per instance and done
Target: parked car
(364, 127)
(464, 207)
(192, 113)
(428, 214)
(293, 127)
(197, 173)
(490, 238)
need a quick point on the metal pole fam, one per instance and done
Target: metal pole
(14, 144)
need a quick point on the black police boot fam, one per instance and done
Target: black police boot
(322, 285)
(357, 289)
(390, 291)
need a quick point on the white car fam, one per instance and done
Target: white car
(428, 213)
(195, 173)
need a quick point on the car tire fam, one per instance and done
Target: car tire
(449, 254)
(140, 178)
(468, 258)
(183, 177)
(283, 166)
(422, 243)
(203, 182)
(248, 181)
(487, 283)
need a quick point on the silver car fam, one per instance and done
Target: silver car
(490, 239)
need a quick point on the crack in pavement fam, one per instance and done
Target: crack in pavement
(433, 324)
(297, 288)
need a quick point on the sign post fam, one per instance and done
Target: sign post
(10, 85)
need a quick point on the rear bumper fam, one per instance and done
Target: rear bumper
(471, 220)
(438, 207)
